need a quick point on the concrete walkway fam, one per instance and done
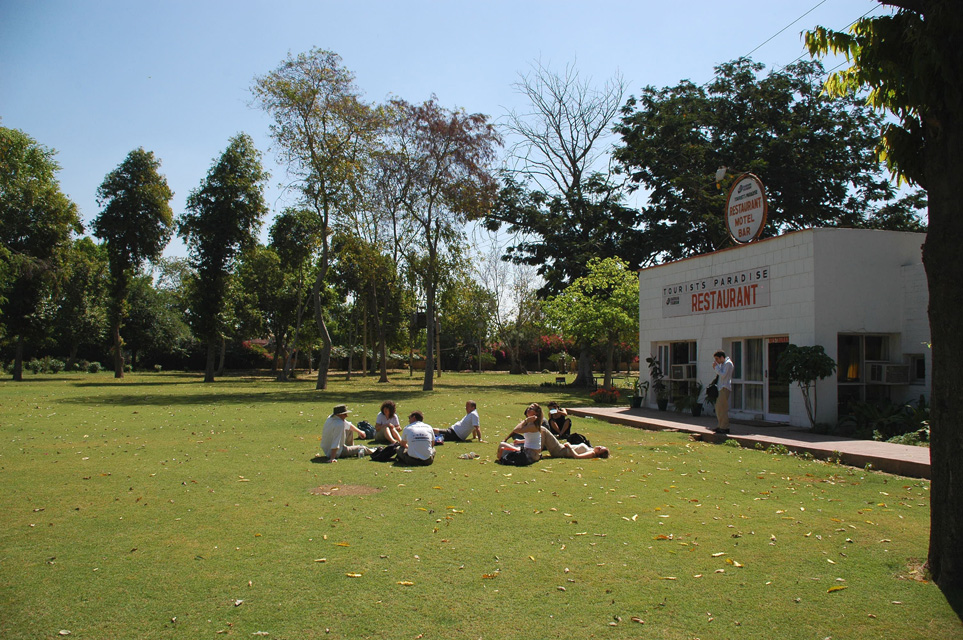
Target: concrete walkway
(901, 459)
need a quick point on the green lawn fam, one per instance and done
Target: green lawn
(161, 507)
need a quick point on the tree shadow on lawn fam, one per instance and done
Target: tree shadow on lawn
(212, 395)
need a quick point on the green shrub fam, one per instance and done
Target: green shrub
(94, 367)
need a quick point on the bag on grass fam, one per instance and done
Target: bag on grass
(386, 453)
(578, 438)
(369, 431)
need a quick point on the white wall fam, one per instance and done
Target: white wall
(821, 282)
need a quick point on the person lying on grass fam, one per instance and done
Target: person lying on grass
(530, 450)
(564, 449)
(337, 437)
(466, 428)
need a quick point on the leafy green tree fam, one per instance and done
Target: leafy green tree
(36, 220)
(370, 276)
(136, 223)
(81, 316)
(325, 133)
(467, 313)
(297, 238)
(445, 156)
(222, 219)
(814, 153)
(600, 309)
(804, 366)
(912, 63)
(155, 326)
(265, 305)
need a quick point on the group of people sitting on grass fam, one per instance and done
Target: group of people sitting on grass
(415, 443)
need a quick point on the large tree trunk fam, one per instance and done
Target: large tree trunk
(18, 360)
(380, 331)
(429, 384)
(72, 357)
(211, 360)
(221, 357)
(609, 360)
(584, 378)
(118, 349)
(944, 275)
(324, 362)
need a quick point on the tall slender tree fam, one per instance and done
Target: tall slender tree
(324, 132)
(222, 219)
(136, 223)
(445, 157)
(912, 63)
(36, 220)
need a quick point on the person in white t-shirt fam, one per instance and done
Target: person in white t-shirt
(387, 425)
(466, 428)
(417, 442)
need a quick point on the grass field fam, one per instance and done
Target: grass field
(161, 507)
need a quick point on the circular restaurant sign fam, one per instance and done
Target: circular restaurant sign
(746, 208)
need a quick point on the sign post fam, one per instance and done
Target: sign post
(746, 208)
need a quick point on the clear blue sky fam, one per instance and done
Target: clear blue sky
(95, 79)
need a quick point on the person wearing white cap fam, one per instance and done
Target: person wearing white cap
(337, 437)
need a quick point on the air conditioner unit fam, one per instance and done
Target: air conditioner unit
(682, 372)
(888, 373)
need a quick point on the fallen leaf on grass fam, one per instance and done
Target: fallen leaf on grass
(638, 619)
(321, 560)
(838, 587)
(732, 562)
(716, 555)
(406, 583)
(489, 576)
(353, 575)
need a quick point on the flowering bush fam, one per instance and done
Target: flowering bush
(606, 396)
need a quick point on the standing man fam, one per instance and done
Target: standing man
(417, 442)
(723, 366)
(337, 437)
(465, 428)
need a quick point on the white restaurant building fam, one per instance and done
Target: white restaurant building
(859, 293)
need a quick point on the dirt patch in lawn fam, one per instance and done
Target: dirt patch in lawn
(344, 490)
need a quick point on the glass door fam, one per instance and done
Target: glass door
(777, 387)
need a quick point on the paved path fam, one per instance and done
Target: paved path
(901, 459)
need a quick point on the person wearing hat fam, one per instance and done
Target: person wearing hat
(337, 437)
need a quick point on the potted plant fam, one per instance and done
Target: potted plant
(690, 401)
(661, 391)
(641, 390)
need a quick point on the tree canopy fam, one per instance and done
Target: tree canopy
(814, 153)
(598, 309)
(36, 220)
(222, 219)
(136, 223)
